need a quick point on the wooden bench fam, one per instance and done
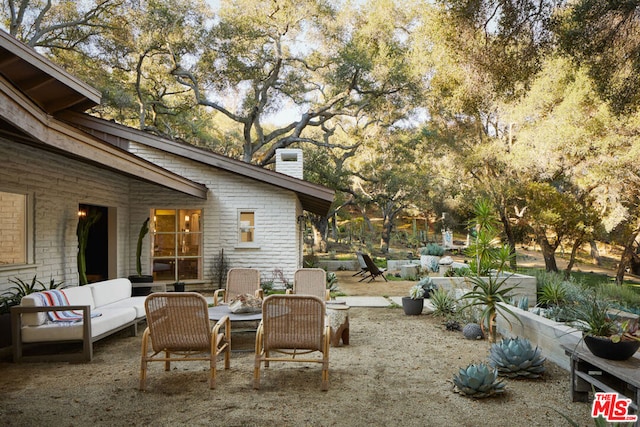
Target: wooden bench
(611, 376)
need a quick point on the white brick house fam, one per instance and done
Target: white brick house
(56, 161)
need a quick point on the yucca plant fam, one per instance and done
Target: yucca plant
(489, 291)
(516, 358)
(478, 381)
(491, 295)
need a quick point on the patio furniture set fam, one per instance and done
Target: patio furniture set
(291, 325)
(179, 323)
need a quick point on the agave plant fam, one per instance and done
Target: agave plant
(478, 381)
(516, 358)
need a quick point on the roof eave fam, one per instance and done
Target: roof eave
(314, 198)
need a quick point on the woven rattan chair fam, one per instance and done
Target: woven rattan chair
(179, 326)
(239, 281)
(292, 325)
(310, 281)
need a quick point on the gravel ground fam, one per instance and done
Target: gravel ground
(396, 370)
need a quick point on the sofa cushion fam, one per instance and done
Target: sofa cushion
(110, 291)
(136, 303)
(109, 320)
(79, 295)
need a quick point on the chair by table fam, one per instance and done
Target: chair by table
(239, 281)
(178, 326)
(292, 325)
(310, 281)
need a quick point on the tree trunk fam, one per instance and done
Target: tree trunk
(319, 224)
(387, 228)
(334, 228)
(635, 263)
(572, 258)
(511, 240)
(548, 252)
(627, 255)
(595, 252)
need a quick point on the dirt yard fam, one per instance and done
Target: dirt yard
(397, 370)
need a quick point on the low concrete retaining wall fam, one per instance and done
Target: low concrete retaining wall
(396, 264)
(337, 265)
(543, 332)
(526, 285)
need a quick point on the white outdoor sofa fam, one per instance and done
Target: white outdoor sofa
(111, 299)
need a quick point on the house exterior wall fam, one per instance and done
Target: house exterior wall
(278, 242)
(57, 186)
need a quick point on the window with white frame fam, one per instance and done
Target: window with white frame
(246, 227)
(176, 249)
(16, 227)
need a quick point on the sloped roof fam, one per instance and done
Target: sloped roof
(32, 89)
(45, 83)
(313, 197)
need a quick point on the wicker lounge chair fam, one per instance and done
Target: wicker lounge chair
(363, 265)
(310, 281)
(239, 281)
(292, 325)
(178, 326)
(374, 271)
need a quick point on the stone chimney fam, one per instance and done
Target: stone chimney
(289, 162)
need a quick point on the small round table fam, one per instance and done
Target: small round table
(219, 311)
(242, 343)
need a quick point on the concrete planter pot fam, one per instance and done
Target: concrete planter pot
(428, 261)
(412, 307)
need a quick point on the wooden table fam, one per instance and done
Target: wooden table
(587, 371)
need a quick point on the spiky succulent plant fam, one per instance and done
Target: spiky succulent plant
(478, 381)
(472, 331)
(516, 358)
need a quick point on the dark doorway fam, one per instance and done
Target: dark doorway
(97, 253)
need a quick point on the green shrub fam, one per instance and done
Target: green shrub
(432, 249)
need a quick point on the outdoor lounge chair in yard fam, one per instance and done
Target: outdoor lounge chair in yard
(363, 265)
(178, 326)
(311, 281)
(374, 271)
(292, 326)
(239, 281)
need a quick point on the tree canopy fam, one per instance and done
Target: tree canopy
(404, 107)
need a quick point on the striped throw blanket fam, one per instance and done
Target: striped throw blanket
(54, 298)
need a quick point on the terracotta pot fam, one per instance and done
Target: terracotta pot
(412, 307)
(607, 349)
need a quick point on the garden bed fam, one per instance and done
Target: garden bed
(526, 285)
(545, 333)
